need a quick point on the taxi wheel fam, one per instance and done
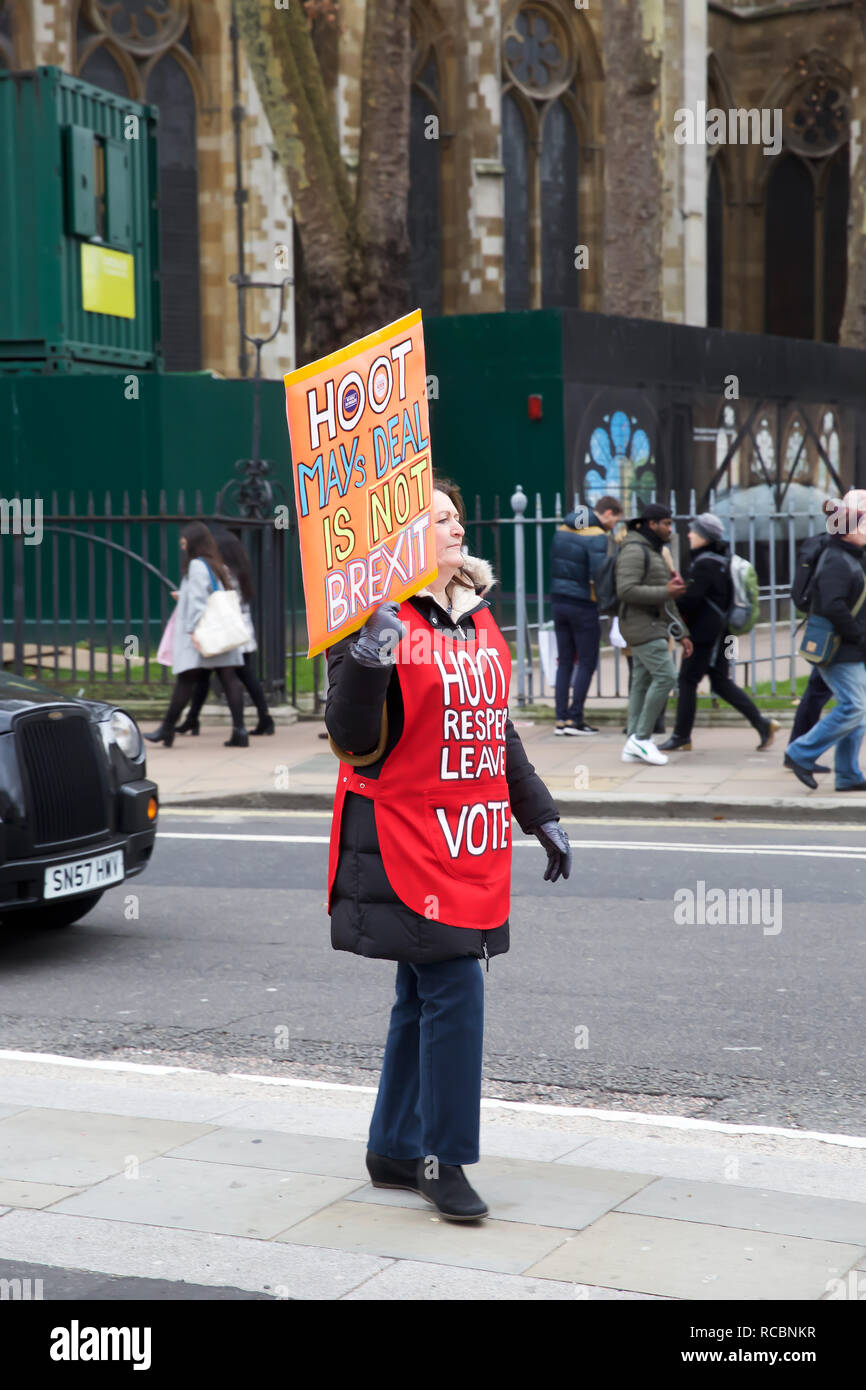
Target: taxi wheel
(63, 914)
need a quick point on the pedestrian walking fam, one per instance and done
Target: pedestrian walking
(659, 726)
(431, 773)
(809, 710)
(579, 548)
(648, 616)
(817, 692)
(203, 571)
(237, 563)
(838, 596)
(706, 606)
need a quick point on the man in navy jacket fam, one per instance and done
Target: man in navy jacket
(578, 550)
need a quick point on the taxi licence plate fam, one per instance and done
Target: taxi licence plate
(83, 875)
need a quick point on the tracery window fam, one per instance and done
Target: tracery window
(144, 49)
(619, 461)
(425, 168)
(806, 208)
(541, 155)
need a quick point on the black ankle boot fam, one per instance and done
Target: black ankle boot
(239, 739)
(164, 734)
(392, 1172)
(265, 725)
(450, 1192)
(189, 725)
(675, 742)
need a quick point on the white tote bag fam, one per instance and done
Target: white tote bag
(616, 637)
(221, 626)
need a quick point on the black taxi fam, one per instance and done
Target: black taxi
(77, 813)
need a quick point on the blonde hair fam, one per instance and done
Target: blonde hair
(455, 496)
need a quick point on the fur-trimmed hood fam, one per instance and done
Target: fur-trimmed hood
(480, 571)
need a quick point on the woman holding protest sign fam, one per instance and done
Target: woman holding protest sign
(431, 772)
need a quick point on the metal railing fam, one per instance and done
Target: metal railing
(769, 540)
(85, 598)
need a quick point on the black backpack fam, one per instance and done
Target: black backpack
(803, 581)
(604, 581)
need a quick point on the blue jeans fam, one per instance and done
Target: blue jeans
(578, 631)
(845, 725)
(429, 1101)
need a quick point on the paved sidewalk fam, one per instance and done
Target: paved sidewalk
(257, 1185)
(723, 776)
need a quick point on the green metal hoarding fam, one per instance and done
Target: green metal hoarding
(78, 222)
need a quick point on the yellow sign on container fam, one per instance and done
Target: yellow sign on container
(107, 281)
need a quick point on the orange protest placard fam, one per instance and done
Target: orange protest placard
(361, 463)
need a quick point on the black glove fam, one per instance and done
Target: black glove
(555, 841)
(378, 639)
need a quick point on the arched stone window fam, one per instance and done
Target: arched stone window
(144, 49)
(806, 205)
(425, 167)
(543, 117)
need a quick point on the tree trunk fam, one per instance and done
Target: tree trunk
(383, 162)
(355, 244)
(633, 170)
(853, 330)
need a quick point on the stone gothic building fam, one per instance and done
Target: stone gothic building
(516, 199)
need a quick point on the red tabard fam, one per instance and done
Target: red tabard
(443, 815)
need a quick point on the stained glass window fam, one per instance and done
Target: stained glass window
(619, 461)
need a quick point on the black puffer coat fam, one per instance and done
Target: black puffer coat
(837, 587)
(710, 592)
(364, 711)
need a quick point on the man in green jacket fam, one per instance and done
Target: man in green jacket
(648, 614)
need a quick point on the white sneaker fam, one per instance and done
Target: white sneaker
(643, 750)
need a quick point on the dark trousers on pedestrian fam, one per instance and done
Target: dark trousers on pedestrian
(429, 1101)
(813, 700)
(187, 683)
(577, 630)
(710, 660)
(246, 675)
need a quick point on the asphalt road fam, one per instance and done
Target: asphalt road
(228, 966)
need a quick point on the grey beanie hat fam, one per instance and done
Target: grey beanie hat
(709, 526)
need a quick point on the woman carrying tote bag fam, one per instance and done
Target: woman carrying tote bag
(237, 563)
(203, 572)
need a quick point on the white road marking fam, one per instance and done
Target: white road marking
(681, 1122)
(680, 847)
(726, 822)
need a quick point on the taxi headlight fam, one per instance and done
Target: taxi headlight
(124, 732)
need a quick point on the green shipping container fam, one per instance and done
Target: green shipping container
(79, 287)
